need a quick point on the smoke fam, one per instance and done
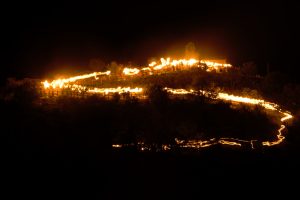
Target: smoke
(190, 51)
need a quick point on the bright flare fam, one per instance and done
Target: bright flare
(131, 71)
(119, 90)
(62, 82)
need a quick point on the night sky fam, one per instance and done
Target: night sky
(38, 39)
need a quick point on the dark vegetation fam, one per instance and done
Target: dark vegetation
(158, 119)
(67, 141)
(274, 86)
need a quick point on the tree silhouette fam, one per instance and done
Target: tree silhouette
(157, 96)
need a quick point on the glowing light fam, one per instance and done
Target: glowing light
(239, 99)
(178, 91)
(62, 82)
(286, 117)
(152, 64)
(280, 138)
(221, 96)
(46, 84)
(166, 147)
(196, 143)
(131, 71)
(165, 64)
(230, 143)
(215, 65)
(146, 69)
(118, 90)
(117, 145)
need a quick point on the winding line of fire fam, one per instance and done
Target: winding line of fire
(69, 83)
(153, 66)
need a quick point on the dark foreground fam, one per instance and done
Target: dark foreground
(216, 171)
(66, 157)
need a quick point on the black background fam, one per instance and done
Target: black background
(38, 39)
(45, 37)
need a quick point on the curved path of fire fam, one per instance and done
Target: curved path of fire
(234, 141)
(165, 63)
(285, 115)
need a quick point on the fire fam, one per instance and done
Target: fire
(215, 65)
(46, 84)
(76, 87)
(230, 143)
(178, 91)
(280, 138)
(167, 63)
(246, 100)
(184, 62)
(62, 82)
(286, 116)
(131, 71)
(152, 64)
(116, 145)
(119, 90)
(196, 143)
(164, 63)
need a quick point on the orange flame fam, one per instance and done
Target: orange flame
(164, 64)
(118, 90)
(62, 82)
(246, 100)
(131, 71)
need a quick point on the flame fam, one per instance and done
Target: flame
(152, 64)
(214, 65)
(116, 145)
(62, 82)
(131, 71)
(166, 147)
(46, 84)
(118, 90)
(170, 63)
(178, 91)
(280, 138)
(146, 69)
(239, 99)
(196, 143)
(230, 143)
(166, 63)
(220, 95)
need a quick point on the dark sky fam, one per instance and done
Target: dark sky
(42, 38)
